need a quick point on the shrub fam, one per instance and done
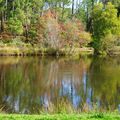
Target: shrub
(74, 34)
(54, 34)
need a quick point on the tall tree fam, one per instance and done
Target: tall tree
(73, 5)
(106, 25)
(2, 9)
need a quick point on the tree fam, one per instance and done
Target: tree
(15, 26)
(27, 12)
(2, 8)
(85, 9)
(64, 3)
(105, 24)
(73, 4)
(117, 5)
(23, 17)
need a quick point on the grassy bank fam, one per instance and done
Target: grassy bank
(36, 51)
(97, 116)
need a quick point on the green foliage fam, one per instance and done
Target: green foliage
(106, 25)
(15, 26)
(116, 2)
(32, 33)
(80, 14)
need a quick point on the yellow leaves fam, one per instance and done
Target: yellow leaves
(85, 36)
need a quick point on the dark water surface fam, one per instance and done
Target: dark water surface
(33, 84)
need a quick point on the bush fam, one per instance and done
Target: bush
(54, 34)
(73, 33)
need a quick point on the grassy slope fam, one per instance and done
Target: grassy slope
(62, 117)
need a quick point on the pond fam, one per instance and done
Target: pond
(33, 84)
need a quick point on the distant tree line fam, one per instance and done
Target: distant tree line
(60, 23)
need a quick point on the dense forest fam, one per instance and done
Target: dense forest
(59, 24)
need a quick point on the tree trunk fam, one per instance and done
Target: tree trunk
(26, 32)
(87, 19)
(73, 6)
(63, 10)
(2, 22)
(118, 13)
(5, 13)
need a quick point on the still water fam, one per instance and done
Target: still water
(33, 84)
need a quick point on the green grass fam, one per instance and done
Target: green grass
(97, 116)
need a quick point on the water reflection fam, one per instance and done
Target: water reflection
(29, 85)
(105, 81)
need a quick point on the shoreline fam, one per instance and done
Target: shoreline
(33, 51)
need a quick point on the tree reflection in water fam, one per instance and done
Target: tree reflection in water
(30, 85)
